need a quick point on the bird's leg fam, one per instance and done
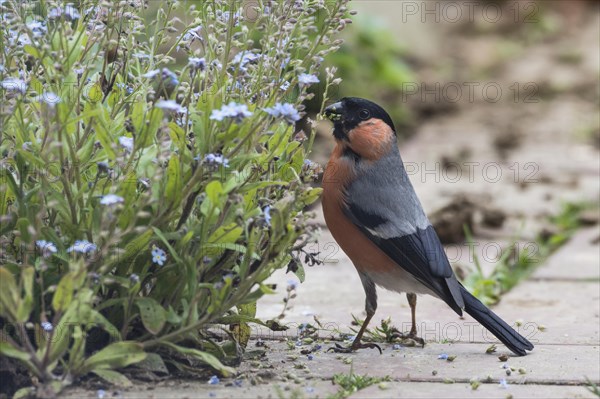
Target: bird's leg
(412, 302)
(370, 307)
(356, 344)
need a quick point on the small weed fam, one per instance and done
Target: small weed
(511, 269)
(592, 387)
(351, 383)
(385, 332)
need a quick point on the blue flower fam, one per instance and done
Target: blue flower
(396, 347)
(123, 86)
(284, 86)
(285, 111)
(55, 13)
(134, 278)
(306, 80)
(46, 247)
(126, 143)
(49, 98)
(216, 159)
(292, 285)
(47, 326)
(231, 110)
(244, 58)
(267, 214)
(14, 85)
(101, 393)
(310, 357)
(38, 28)
(238, 383)
(111, 199)
(169, 78)
(443, 356)
(503, 384)
(151, 74)
(103, 167)
(70, 13)
(224, 16)
(169, 105)
(82, 246)
(214, 380)
(193, 34)
(158, 256)
(197, 64)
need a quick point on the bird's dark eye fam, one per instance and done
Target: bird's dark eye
(364, 114)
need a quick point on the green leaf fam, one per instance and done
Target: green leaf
(174, 182)
(149, 130)
(178, 136)
(113, 377)
(152, 313)
(248, 309)
(115, 356)
(32, 51)
(226, 234)
(23, 393)
(214, 191)
(310, 196)
(153, 362)
(95, 93)
(300, 273)
(241, 333)
(137, 245)
(6, 349)
(204, 357)
(239, 318)
(26, 303)
(9, 294)
(64, 293)
(222, 239)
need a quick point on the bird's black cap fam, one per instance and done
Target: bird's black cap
(349, 112)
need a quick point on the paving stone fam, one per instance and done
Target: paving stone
(463, 390)
(547, 364)
(569, 311)
(419, 371)
(577, 259)
(187, 389)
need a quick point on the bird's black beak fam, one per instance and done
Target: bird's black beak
(334, 111)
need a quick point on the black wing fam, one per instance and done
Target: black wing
(420, 253)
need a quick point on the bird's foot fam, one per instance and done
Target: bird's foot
(354, 347)
(408, 339)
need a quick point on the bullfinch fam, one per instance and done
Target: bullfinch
(374, 214)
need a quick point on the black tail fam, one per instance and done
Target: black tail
(509, 337)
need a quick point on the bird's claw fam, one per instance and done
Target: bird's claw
(409, 336)
(354, 347)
